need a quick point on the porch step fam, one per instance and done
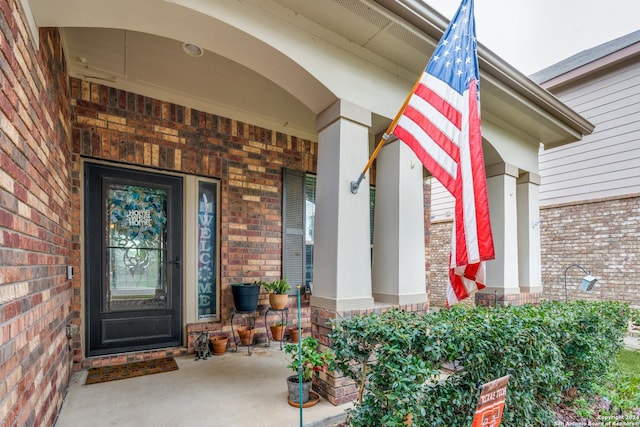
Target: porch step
(134, 356)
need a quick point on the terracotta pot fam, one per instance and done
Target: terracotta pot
(293, 334)
(219, 344)
(278, 301)
(246, 334)
(277, 332)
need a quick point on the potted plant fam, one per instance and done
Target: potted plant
(277, 330)
(219, 344)
(293, 334)
(311, 361)
(245, 296)
(278, 297)
(246, 334)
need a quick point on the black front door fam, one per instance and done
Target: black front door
(133, 249)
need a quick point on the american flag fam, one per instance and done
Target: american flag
(441, 124)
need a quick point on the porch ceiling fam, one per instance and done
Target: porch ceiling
(278, 63)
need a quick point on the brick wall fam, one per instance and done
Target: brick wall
(440, 251)
(35, 231)
(114, 125)
(332, 385)
(602, 236)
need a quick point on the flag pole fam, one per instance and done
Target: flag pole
(387, 134)
(299, 355)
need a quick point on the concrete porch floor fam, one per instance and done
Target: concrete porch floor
(224, 391)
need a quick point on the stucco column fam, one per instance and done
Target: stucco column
(342, 260)
(502, 272)
(529, 268)
(398, 248)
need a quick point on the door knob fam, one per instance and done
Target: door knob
(176, 262)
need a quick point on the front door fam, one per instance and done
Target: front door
(133, 223)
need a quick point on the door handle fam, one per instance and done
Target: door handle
(176, 262)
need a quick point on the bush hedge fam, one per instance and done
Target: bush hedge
(430, 365)
(635, 316)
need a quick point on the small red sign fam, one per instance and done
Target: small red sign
(491, 403)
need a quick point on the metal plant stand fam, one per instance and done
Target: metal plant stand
(284, 318)
(251, 322)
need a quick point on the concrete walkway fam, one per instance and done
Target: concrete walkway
(632, 342)
(225, 391)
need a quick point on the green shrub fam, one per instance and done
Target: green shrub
(590, 336)
(622, 388)
(397, 359)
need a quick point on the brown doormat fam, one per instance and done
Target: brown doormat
(130, 370)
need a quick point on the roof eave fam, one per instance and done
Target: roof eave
(497, 68)
(613, 60)
(433, 24)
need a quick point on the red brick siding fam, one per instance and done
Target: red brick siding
(603, 237)
(332, 385)
(262, 329)
(137, 356)
(35, 230)
(114, 125)
(440, 251)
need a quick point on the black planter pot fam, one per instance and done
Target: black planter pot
(245, 296)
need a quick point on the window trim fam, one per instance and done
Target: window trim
(191, 203)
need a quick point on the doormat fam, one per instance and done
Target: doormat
(130, 370)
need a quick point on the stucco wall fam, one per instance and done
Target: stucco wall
(35, 223)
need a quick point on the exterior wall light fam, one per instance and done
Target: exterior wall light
(588, 282)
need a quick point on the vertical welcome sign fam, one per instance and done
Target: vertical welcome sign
(491, 403)
(207, 240)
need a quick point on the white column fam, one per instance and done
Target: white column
(502, 272)
(529, 268)
(398, 248)
(342, 260)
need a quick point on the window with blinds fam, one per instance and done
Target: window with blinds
(299, 209)
(293, 227)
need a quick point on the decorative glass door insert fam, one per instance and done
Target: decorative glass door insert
(136, 247)
(133, 248)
